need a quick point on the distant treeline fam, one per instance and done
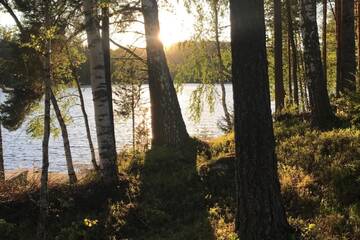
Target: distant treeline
(177, 56)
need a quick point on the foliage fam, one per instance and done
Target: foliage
(8, 230)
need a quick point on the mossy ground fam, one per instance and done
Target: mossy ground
(188, 193)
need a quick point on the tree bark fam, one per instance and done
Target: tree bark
(65, 136)
(358, 42)
(324, 39)
(260, 214)
(168, 126)
(104, 126)
(294, 54)
(289, 71)
(339, 85)
(279, 79)
(348, 63)
(2, 169)
(43, 202)
(321, 113)
(105, 40)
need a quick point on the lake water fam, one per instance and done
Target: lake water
(23, 151)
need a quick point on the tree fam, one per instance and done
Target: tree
(321, 113)
(324, 38)
(2, 169)
(260, 213)
(65, 136)
(279, 81)
(168, 126)
(294, 56)
(104, 126)
(75, 75)
(42, 224)
(105, 41)
(348, 64)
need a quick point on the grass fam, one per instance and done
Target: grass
(188, 193)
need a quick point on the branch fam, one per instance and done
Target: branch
(132, 53)
(13, 15)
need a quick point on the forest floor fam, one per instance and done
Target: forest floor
(189, 193)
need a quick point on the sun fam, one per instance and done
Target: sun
(175, 26)
(168, 38)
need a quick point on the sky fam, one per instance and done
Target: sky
(176, 25)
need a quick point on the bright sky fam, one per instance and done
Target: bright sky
(176, 25)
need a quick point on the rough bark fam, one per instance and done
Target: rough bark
(358, 42)
(168, 126)
(324, 39)
(43, 202)
(339, 85)
(2, 169)
(83, 110)
(279, 79)
(221, 66)
(294, 53)
(321, 113)
(348, 63)
(289, 71)
(104, 127)
(260, 213)
(65, 136)
(105, 40)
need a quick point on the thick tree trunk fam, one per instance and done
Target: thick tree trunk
(2, 168)
(65, 136)
(293, 52)
(43, 202)
(168, 126)
(104, 126)
(348, 63)
(221, 66)
(105, 40)
(321, 113)
(260, 213)
(339, 85)
(279, 79)
(324, 39)
(358, 43)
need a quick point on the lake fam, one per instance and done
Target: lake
(23, 151)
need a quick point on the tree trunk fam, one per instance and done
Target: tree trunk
(43, 202)
(321, 113)
(289, 71)
(221, 66)
(324, 39)
(105, 40)
(104, 126)
(358, 42)
(348, 63)
(168, 126)
(279, 79)
(294, 54)
(2, 169)
(85, 116)
(339, 85)
(65, 136)
(260, 213)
